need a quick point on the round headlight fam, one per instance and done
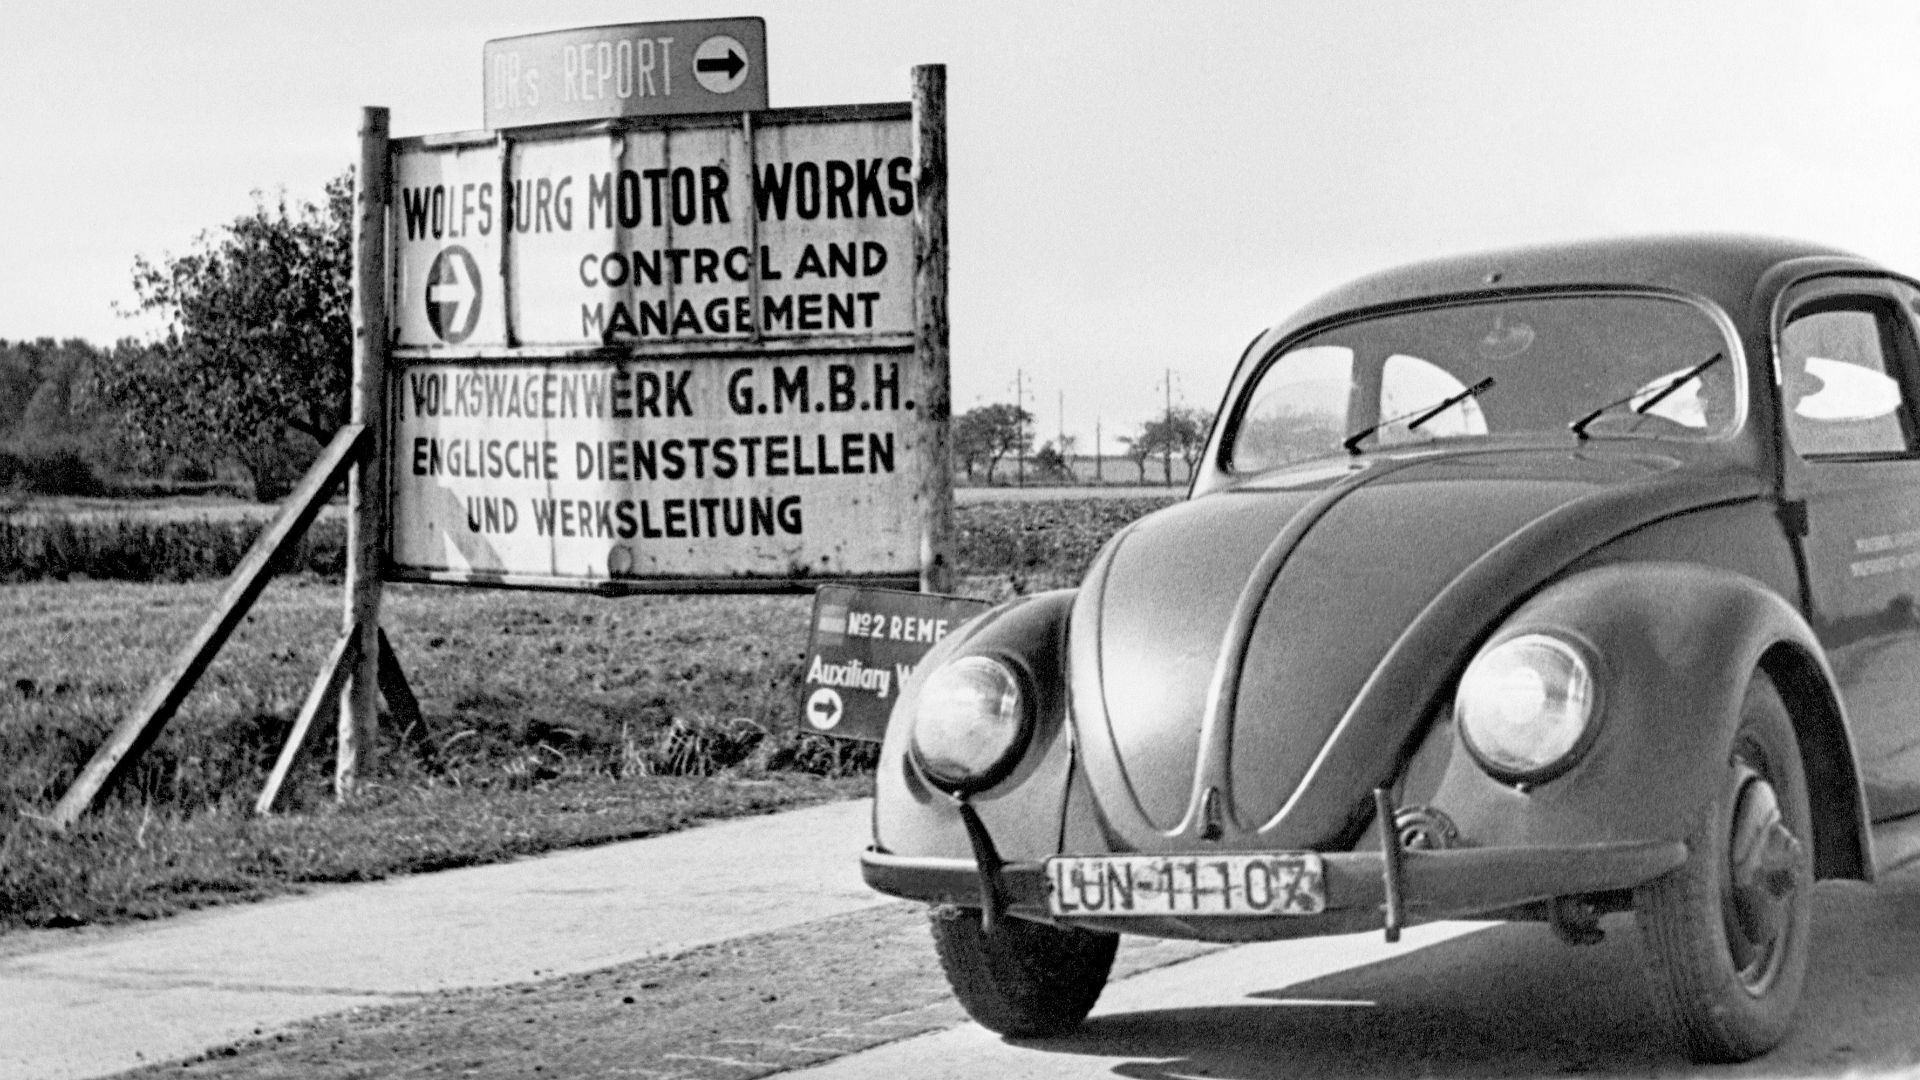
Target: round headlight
(970, 722)
(1524, 705)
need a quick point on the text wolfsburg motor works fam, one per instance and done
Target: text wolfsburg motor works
(661, 198)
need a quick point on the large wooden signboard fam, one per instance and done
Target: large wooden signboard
(660, 353)
(633, 354)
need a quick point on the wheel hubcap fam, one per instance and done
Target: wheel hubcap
(1763, 857)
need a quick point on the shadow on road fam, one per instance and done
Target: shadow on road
(1513, 1001)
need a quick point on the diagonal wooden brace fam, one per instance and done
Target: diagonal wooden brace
(401, 704)
(324, 698)
(321, 700)
(138, 731)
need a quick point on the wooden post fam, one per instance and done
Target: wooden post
(366, 487)
(930, 327)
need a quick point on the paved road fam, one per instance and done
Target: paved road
(1464, 1001)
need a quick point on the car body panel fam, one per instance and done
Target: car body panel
(1022, 812)
(1385, 687)
(1690, 636)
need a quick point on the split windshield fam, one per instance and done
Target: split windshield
(1534, 365)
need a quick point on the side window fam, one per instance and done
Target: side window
(1841, 381)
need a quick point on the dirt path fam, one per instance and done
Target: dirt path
(733, 1011)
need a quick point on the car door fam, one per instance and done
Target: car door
(1849, 369)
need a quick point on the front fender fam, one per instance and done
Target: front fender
(1023, 811)
(1676, 644)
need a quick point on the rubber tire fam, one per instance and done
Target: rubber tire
(1719, 1015)
(1027, 980)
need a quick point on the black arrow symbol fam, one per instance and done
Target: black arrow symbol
(732, 65)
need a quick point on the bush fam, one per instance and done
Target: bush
(131, 549)
(185, 471)
(53, 471)
(1032, 544)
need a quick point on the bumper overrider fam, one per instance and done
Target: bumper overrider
(1387, 888)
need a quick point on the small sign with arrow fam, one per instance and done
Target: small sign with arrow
(634, 69)
(865, 645)
(720, 63)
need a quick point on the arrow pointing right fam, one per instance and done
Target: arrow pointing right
(730, 64)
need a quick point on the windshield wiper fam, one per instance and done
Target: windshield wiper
(1418, 416)
(1579, 427)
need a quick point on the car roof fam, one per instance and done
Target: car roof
(1729, 270)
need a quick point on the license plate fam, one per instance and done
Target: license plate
(1289, 884)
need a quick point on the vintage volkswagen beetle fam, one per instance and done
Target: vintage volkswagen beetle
(1539, 584)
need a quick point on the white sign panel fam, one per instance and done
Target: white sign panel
(713, 467)
(448, 279)
(639, 237)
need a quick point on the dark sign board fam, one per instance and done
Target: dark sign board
(639, 69)
(864, 645)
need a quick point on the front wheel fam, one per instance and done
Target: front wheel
(1726, 933)
(1026, 979)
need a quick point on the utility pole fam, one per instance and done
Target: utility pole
(1166, 452)
(1061, 444)
(1020, 427)
(1098, 455)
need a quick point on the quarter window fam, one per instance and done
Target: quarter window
(1839, 384)
(1300, 410)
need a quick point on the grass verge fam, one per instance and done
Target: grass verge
(551, 720)
(136, 862)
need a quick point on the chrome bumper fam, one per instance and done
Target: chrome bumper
(1430, 885)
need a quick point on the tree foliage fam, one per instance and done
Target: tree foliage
(50, 441)
(982, 436)
(1051, 466)
(1178, 432)
(258, 342)
(38, 384)
(1139, 451)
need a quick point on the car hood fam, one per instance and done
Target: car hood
(1249, 665)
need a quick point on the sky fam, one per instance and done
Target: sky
(1137, 188)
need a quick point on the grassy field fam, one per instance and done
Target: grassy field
(550, 719)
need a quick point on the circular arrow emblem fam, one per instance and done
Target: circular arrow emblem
(824, 708)
(720, 64)
(453, 295)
